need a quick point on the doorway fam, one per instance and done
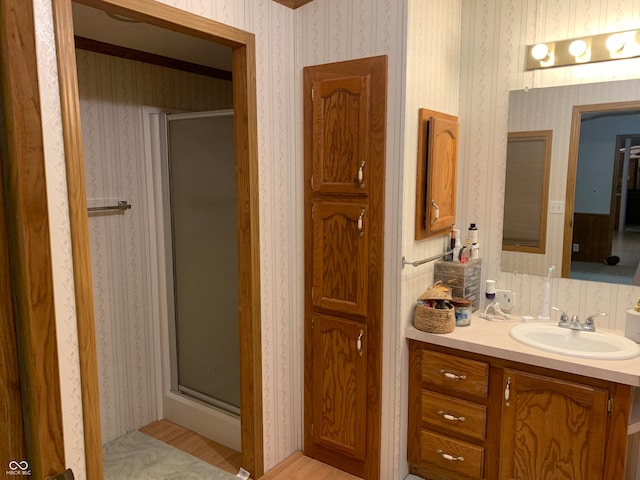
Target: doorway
(245, 140)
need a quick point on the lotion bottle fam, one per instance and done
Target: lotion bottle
(632, 325)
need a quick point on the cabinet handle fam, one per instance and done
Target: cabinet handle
(361, 175)
(451, 458)
(450, 417)
(436, 215)
(507, 392)
(359, 343)
(361, 223)
(452, 376)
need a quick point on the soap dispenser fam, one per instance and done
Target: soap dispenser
(632, 325)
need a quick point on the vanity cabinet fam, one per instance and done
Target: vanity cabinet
(552, 428)
(478, 417)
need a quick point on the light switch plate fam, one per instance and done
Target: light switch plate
(556, 207)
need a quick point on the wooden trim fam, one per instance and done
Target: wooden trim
(293, 3)
(29, 244)
(74, 162)
(175, 19)
(104, 48)
(245, 107)
(13, 443)
(246, 151)
(572, 170)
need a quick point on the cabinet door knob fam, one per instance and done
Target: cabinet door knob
(451, 458)
(359, 343)
(450, 417)
(452, 376)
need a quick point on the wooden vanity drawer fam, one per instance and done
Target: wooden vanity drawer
(459, 416)
(444, 453)
(455, 373)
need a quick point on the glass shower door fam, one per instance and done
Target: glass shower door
(204, 257)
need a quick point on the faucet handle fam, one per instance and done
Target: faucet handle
(590, 322)
(564, 318)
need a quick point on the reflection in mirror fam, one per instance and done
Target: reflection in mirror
(603, 241)
(551, 109)
(524, 228)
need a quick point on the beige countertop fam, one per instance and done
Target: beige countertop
(492, 338)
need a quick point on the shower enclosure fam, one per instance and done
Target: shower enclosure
(200, 238)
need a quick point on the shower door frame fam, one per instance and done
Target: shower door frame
(242, 44)
(170, 260)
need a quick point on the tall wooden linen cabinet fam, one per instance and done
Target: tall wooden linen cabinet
(344, 151)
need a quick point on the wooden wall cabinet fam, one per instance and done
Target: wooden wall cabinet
(344, 144)
(436, 173)
(477, 417)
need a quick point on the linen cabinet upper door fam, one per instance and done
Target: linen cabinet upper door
(340, 141)
(340, 254)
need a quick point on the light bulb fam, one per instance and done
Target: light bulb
(578, 48)
(615, 43)
(540, 51)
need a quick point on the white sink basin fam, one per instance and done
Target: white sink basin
(596, 345)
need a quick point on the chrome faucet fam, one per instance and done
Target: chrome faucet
(589, 324)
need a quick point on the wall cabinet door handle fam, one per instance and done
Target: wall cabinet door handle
(361, 223)
(359, 343)
(361, 175)
(452, 376)
(436, 214)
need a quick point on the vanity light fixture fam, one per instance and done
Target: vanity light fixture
(595, 48)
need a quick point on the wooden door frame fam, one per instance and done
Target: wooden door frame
(246, 150)
(572, 171)
(28, 336)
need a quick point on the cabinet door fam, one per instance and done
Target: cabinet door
(340, 385)
(551, 429)
(340, 253)
(340, 140)
(436, 173)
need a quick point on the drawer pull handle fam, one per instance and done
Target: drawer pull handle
(452, 376)
(449, 457)
(451, 418)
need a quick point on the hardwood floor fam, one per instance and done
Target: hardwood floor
(201, 447)
(296, 467)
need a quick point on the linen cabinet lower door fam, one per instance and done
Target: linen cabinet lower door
(340, 385)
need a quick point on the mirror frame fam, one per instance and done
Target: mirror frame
(533, 136)
(572, 170)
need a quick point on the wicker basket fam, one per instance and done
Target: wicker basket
(434, 320)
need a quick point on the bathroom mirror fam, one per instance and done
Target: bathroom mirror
(553, 109)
